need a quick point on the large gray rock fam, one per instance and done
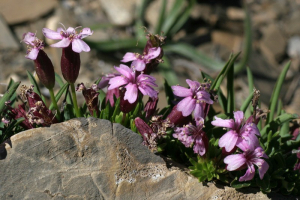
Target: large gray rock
(94, 159)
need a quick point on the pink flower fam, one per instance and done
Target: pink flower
(194, 98)
(140, 61)
(133, 84)
(239, 134)
(247, 159)
(190, 134)
(34, 45)
(68, 36)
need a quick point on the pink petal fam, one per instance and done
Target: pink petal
(85, 32)
(70, 30)
(138, 65)
(147, 90)
(249, 174)
(78, 46)
(28, 38)
(182, 91)
(234, 161)
(263, 168)
(126, 71)
(131, 93)
(238, 117)
(117, 82)
(32, 55)
(194, 85)
(199, 113)
(226, 123)
(65, 42)
(228, 140)
(186, 106)
(153, 53)
(52, 34)
(204, 96)
(129, 57)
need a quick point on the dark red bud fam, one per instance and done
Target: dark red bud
(150, 107)
(45, 70)
(177, 118)
(70, 64)
(143, 128)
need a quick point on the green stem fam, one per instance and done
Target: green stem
(75, 100)
(54, 103)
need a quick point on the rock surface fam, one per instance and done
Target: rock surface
(94, 159)
(31, 9)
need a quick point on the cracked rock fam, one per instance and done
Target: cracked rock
(94, 159)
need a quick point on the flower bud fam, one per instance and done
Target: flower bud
(175, 117)
(150, 107)
(70, 64)
(45, 70)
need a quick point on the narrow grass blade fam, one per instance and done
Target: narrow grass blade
(36, 88)
(216, 84)
(161, 16)
(167, 72)
(247, 102)
(251, 87)
(190, 52)
(183, 18)
(247, 43)
(276, 91)
(230, 90)
(62, 91)
(118, 44)
(172, 16)
(8, 94)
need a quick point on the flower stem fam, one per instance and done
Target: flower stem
(77, 112)
(54, 103)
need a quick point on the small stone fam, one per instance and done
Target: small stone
(273, 43)
(15, 11)
(235, 13)
(120, 13)
(293, 49)
(231, 41)
(7, 41)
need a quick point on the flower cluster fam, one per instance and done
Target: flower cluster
(242, 134)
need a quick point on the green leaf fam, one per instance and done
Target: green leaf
(69, 112)
(273, 125)
(9, 130)
(230, 90)
(276, 91)
(264, 184)
(289, 186)
(62, 91)
(247, 44)
(237, 185)
(172, 16)
(36, 88)
(8, 95)
(60, 82)
(116, 44)
(169, 93)
(183, 17)
(216, 84)
(168, 73)
(161, 16)
(247, 102)
(190, 52)
(117, 109)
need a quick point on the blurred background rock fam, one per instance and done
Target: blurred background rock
(201, 36)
